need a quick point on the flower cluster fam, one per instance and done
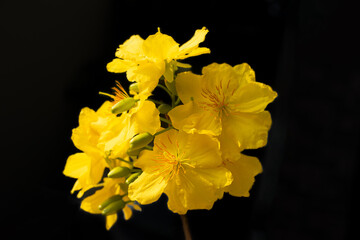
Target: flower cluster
(135, 148)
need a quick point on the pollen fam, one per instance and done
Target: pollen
(119, 93)
(215, 100)
(169, 164)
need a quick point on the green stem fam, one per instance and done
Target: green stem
(156, 101)
(177, 101)
(124, 160)
(165, 120)
(149, 147)
(162, 131)
(165, 89)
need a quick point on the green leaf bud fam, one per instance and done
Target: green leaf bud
(113, 207)
(132, 177)
(135, 152)
(110, 200)
(119, 172)
(134, 88)
(164, 108)
(123, 105)
(141, 140)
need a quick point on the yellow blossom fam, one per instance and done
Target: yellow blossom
(88, 166)
(145, 61)
(103, 137)
(111, 187)
(186, 167)
(224, 100)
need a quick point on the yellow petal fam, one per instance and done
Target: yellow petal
(131, 49)
(220, 78)
(244, 170)
(76, 165)
(147, 188)
(119, 65)
(252, 97)
(192, 119)
(110, 221)
(91, 204)
(146, 118)
(188, 86)
(191, 47)
(147, 75)
(127, 212)
(160, 46)
(196, 189)
(199, 150)
(248, 130)
(245, 72)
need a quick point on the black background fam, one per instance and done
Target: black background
(53, 58)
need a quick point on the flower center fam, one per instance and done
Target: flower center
(215, 101)
(169, 164)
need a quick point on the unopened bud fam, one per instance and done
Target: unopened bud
(113, 207)
(134, 88)
(132, 177)
(108, 201)
(164, 108)
(141, 140)
(135, 152)
(119, 172)
(123, 105)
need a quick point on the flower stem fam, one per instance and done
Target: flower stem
(186, 227)
(165, 89)
(165, 120)
(162, 131)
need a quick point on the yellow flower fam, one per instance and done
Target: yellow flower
(111, 187)
(145, 61)
(144, 117)
(88, 166)
(186, 167)
(103, 137)
(224, 100)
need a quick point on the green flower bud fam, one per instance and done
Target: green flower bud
(113, 207)
(123, 105)
(134, 87)
(110, 200)
(135, 152)
(132, 177)
(164, 108)
(119, 172)
(141, 140)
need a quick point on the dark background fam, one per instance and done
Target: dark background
(53, 58)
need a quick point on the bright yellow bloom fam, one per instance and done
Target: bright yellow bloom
(145, 61)
(88, 166)
(186, 167)
(103, 137)
(224, 101)
(111, 187)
